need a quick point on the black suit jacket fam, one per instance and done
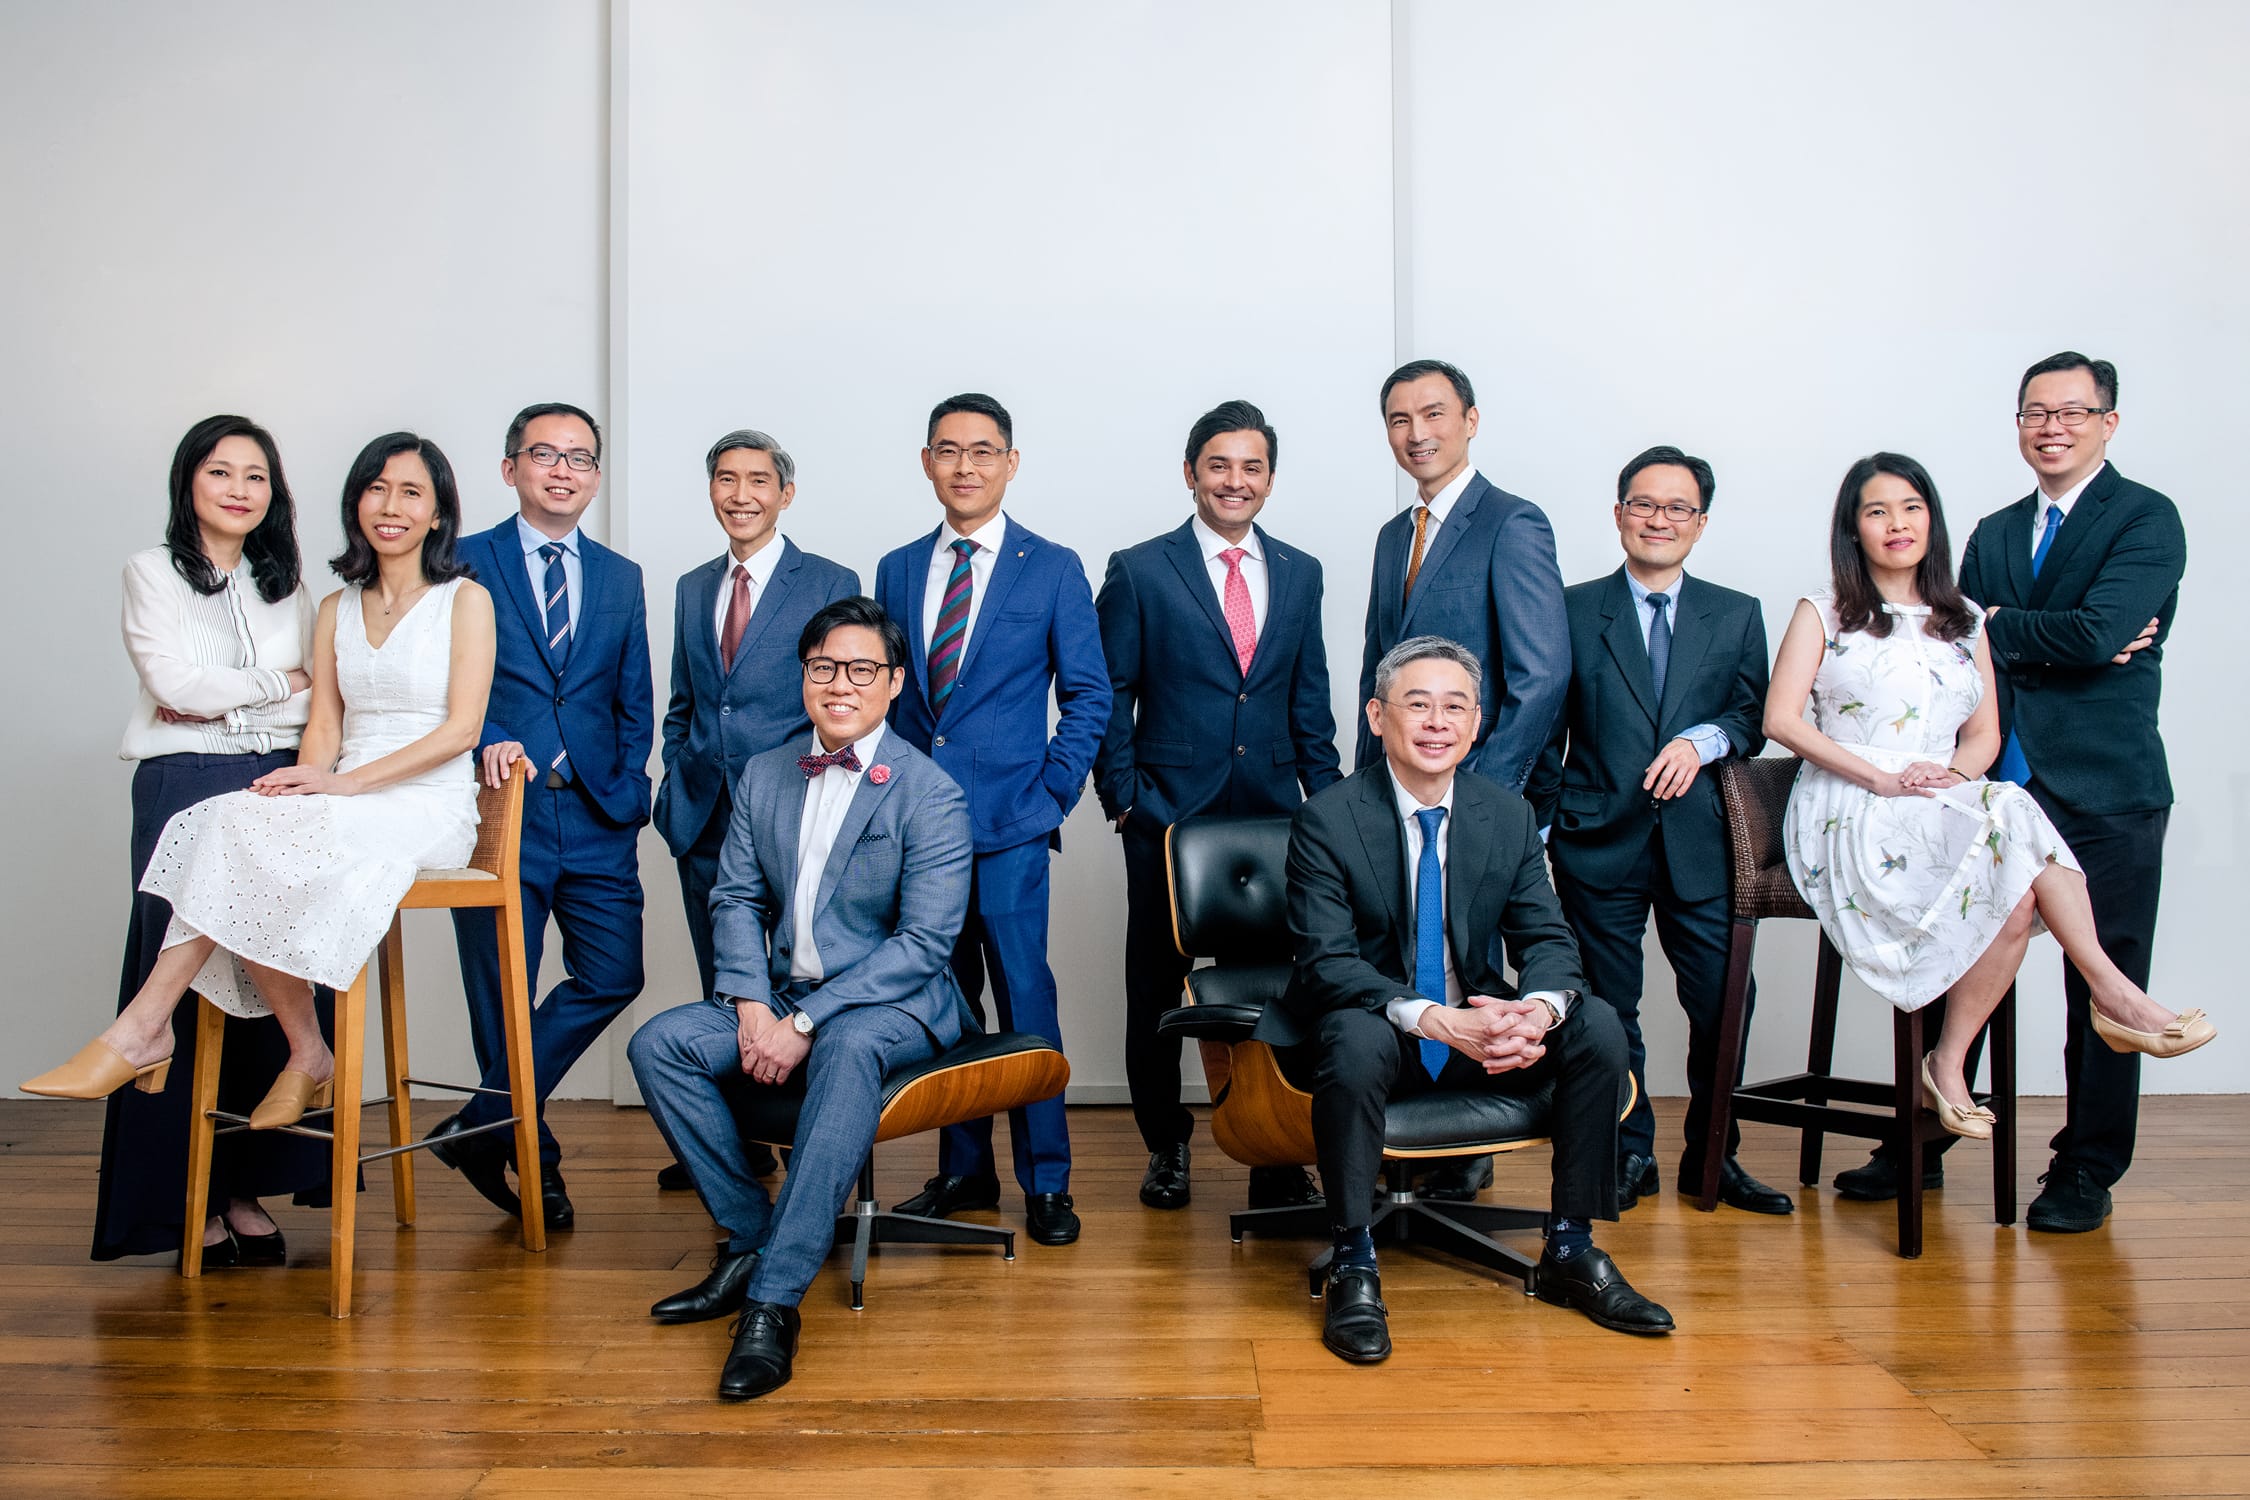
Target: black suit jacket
(1188, 732)
(1351, 902)
(2087, 726)
(1588, 784)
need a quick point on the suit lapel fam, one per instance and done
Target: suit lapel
(1377, 816)
(764, 612)
(1007, 566)
(1623, 638)
(866, 797)
(789, 821)
(2089, 515)
(1283, 580)
(2015, 548)
(1691, 641)
(702, 601)
(1468, 848)
(917, 589)
(515, 580)
(1187, 560)
(1391, 544)
(1440, 547)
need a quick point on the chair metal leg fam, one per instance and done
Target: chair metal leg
(1436, 1227)
(343, 1151)
(1820, 1054)
(1906, 1061)
(203, 1097)
(1734, 1027)
(390, 969)
(2003, 1054)
(869, 1224)
(1294, 1220)
(515, 1003)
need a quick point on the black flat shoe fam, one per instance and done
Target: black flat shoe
(765, 1341)
(719, 1294)
(1355, 1326)
(1458, 1180)
(2070, 1203)
(1284, 1187)
(224, 1253)
(942, 1197)
(1049, 1220)
(1636, 1179)
(259, 1249)
(1738, 1189)
(1877, 1182)
(1165, 1183)
(480, 1159)
(1591, 1282)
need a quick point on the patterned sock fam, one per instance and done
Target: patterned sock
(1566, 1236)
(1354, 1247)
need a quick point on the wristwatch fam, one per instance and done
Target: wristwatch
(802, 1022)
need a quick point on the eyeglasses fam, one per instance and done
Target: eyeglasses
(1426, 709)
(822, 669)
(2069, 416)
(1672, 510)
(983, 455)
(547, 456)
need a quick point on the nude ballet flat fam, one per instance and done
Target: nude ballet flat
(2188, 1031)
(292, 1094)
(1975, 1122)
(98, 1071)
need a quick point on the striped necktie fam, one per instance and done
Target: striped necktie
(952, 631)
(557, 610)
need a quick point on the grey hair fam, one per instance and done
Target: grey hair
(1427, 648)
(784, 467)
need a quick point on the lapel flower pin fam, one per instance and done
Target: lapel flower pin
(878, 774)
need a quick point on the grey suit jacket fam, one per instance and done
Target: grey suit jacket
(892, 897)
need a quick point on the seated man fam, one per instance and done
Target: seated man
(842, 886)
(1400, 876)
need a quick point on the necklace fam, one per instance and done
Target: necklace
(413, 593)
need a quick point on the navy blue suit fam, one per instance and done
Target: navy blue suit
(1489, 581)
(1034, 630)
(1190, 733)
(579, 860)
(719, 717)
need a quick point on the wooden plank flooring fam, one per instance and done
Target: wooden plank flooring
(1154, 1357)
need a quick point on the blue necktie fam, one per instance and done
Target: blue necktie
(556, 609)
(1659, 642)
(1429, 929)
(2013, 767)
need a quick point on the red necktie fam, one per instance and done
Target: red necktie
(1236, 601)
(738, 618)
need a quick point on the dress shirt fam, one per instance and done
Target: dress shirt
(827, 797)
(535, 566)
(2062, 502)
(1405, 1011)
(223, 657)
(761, 564)
(1441, 506)
(1709, 740)
(1253, 567)
(988, 538)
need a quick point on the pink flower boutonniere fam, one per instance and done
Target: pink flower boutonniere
(878, 774)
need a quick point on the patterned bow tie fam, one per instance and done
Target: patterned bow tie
(813, 765)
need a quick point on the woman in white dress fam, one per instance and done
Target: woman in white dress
(294, 881)
(1929, 879)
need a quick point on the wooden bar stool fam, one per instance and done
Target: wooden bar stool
(490, 880)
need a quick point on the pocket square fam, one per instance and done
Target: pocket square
(874, 838)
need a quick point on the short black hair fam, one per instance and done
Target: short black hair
(978, 404)
(1665, 453)
(854, 609)
(531, 414)
(1415, 369)
(270, 548)
(2104, 373)
(356, 563)
(1231, 416)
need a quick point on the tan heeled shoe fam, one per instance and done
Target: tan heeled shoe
(1974, 1123)
(292, 1094)
(2189, 1030)
(98, 1071)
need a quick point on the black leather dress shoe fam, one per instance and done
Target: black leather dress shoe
(479, 1158)
(1355, 1325)
(1738, 1189)
(1591, 1282)
(1283, 1187)
(1636, 1179)
(1877, 1182)
(1458, 1180)
(720, 1293)
(674, 1179)
(1165, 1183)
(2070, 1203)
(1049, 1220)
(765, 1341)
(943, 1197)
(554, 1198)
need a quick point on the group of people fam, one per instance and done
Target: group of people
(863, 794)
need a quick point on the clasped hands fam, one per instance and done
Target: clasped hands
(771, 1046)
(1499, 1035)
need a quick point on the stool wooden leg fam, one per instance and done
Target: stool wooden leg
(515, 1000)
(343, 1157)
(1820, 1055)
(2003, 1064)
(1734, 1026)
(203, 1097)
(1906, 1063)
(390, 966)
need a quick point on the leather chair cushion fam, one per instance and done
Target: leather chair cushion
(770, 1114)
(1230, 900)
(1464, 1121)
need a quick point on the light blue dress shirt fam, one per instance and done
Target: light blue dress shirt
(574, 574)
(1709, 740)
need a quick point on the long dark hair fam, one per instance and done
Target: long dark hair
(1858, 605)
(270, 548)
(357, 562)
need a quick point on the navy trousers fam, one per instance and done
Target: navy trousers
(699, 871)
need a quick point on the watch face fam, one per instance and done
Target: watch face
(803, 1024)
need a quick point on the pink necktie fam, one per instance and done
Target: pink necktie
(738, 618)
(1236, 602)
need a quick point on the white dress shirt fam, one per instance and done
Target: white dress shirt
(223, 657)
(1709, 740)
(2062, 502)
(1440, 506)
(1253, 565)
(827, 797)
(988, 538)
(760, 565)
(535, 567)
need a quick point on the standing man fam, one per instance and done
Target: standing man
(1667, 674)
(735, 676)
(571, 692)
(999, 617)
(1472, 563)
(1212, 632)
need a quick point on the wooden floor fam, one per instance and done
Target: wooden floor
(1153, 1358)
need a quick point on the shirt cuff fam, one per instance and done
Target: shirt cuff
(1709, 740)
(1406, 1012)
(1559, 999)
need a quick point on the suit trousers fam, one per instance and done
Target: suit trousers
(699, 871)
(689, 1063)
(1154, 972)
(584, 870)
(1610, 922)
(1005, 936)
(1359, 1062)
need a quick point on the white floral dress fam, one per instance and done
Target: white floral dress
(1911, 890)
(307, 885)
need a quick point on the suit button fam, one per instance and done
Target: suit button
(939, 740)
(558, 702)
(1241, 750)
(1242, 697)
(726, 708)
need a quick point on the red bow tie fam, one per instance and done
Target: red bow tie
(813, 765)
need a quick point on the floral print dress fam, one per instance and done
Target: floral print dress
(1911, 890)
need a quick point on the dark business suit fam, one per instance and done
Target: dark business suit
(2088, 729)
(1351, 918)
(721, 717)
(1489, 581)
(1617, 851)
(1034, 630)
(579, 860)
(1190, 732)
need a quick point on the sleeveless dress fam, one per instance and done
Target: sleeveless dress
(308, 885)
(1911, 890)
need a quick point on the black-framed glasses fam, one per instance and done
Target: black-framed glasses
(861, 673)
(1427, 709)
(546, 455)
(2069, 416)
(1671, 510)
(982, 455)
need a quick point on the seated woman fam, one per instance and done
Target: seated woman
(1929, 879)
(294, 881)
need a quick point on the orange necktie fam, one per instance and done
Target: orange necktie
(1421, 537)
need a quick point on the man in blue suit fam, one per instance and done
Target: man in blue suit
(997, 617)
(1472, 563)
(844, 878)
(571, 692)
(1212, 632)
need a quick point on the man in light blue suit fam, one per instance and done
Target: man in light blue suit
(996, 617)
(842, 885)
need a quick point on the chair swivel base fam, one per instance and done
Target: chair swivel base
(1404, 1217)
(870, 1224)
